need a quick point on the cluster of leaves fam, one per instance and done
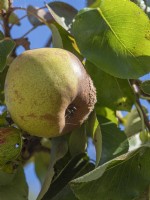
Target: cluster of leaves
(112, 39)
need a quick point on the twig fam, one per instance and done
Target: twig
(139, 106)
(29, 31)
(146, 120)
(31, 13)
(25, 16)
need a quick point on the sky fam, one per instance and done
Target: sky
(41, 34)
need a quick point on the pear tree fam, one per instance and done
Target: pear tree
(77, 108)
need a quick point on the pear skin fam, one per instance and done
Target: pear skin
(42, 88)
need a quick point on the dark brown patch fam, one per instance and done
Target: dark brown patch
(84, 102)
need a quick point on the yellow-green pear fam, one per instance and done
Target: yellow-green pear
(10, 144)
(4, 4)
(48, 92)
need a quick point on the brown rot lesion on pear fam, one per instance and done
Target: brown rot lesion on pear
(70, 111)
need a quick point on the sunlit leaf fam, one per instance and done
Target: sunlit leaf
(118, 39)
(63, 39)
(107, 113)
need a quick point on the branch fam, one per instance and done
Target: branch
(138, 104)
(29, 31)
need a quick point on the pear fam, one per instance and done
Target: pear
(4, 4)
(48, 92)
(10, 144)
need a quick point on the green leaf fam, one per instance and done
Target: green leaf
(78, 141)
(133, 122)
(41, 160)
(107, 113)
(56, 37)
(62, 13)
(65, 194)
(113, 139)
(59, 149)
(14, 19)
(37, 17)
(123, 178)
(63, 39)
(145, 87)
(70, 171)
(118, 40)
(6, 47)
(6, 178)
(112, 92)
(3, 121)
(145, 195)
(17, 189)
(1, 35)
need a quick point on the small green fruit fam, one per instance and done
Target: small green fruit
(48, 92)
(4, 4)
(10, 144)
